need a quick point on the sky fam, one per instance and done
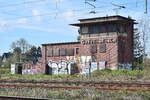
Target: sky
(47, 21)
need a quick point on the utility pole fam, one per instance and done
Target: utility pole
(145, 7)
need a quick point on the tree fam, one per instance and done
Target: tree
(33, 54)
(22, 44)
(0, 61)
(138, 50)
(144, 31)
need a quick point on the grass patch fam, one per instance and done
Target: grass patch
(98, 75)
(4, 70)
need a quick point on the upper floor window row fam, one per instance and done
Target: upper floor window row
(62, 52)
(103, 28)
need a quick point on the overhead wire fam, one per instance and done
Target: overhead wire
(22, 3)
(60, 12)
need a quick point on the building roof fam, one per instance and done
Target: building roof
(63, 43)
(103, 19)
(6, 55)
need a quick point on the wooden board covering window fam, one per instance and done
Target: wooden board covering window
(50, 52)
(62, 52)
(102, 48)
(93, 48)
(56, 52)
(70, 52)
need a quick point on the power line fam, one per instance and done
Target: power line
(55, 13)
(18, 4)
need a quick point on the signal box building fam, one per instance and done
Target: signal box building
(104, 43)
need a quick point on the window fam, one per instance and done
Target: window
(50, 52)
(55, 52)
(102, 48)
(93, 48)
(111, 27)
(70, 52)
(77, 50)
(62, 52)
(94, 29)
(84, 29)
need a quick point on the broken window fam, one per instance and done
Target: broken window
(50, 52)
(102, 48)
(93, 48)
(56, 52)
(62, 52)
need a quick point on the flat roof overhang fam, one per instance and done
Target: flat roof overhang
(62, 43)
(94, 22)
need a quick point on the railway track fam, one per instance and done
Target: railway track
(68, 85)
(20, 98)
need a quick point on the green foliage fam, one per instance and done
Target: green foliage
(84, 94)
(144, 94)
(120, 74)
(4, 70)
(11, 60)
(57, 94)
(33, 54)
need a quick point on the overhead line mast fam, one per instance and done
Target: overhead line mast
(145, 7)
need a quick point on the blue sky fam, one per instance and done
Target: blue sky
(47, 21)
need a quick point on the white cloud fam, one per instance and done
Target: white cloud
(69, 15)
(36, 13)
(38, 28)
(4, 25)
(22, 21)
(60, 0)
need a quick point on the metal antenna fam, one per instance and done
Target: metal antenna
(119, 7)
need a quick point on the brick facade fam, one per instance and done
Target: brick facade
(112, 44)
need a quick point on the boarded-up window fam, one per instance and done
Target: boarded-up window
(70, 52)
(55, 52)
(102, 48)
(93, 48)
(50, 52)
(62, 52)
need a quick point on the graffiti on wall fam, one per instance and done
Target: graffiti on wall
(60, 67)
(93, 66)
(102, 65)
(83, 64)
(29, 71)
(125, 66)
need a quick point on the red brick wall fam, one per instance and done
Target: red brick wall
(125, 44)
(117, 52)
(111, 54)
(46, 58)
